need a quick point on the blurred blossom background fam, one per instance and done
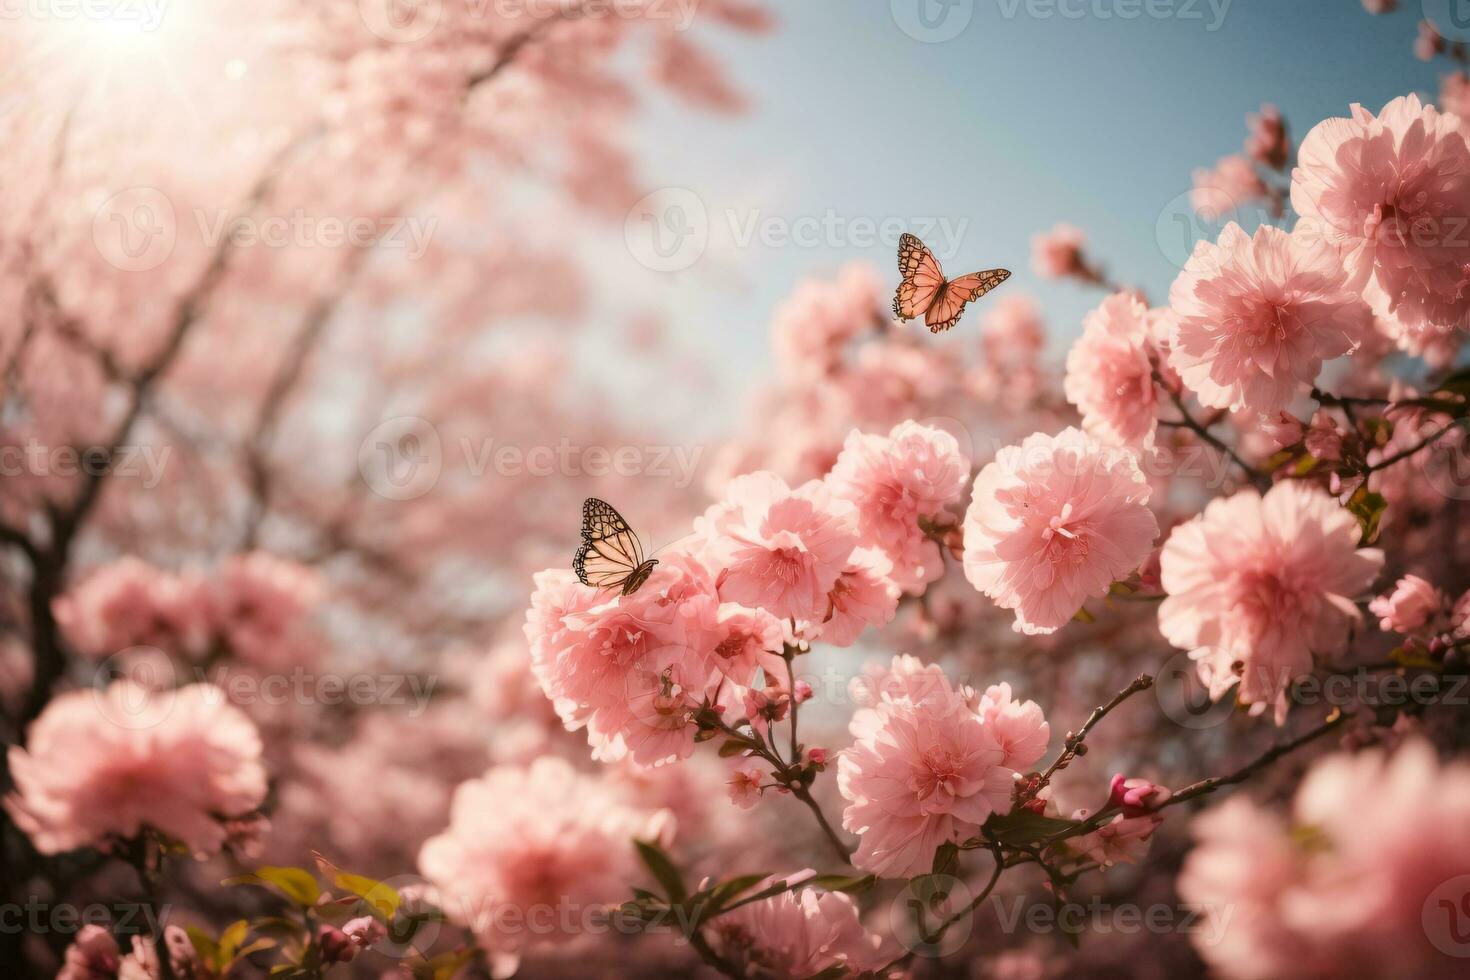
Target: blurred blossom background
(321, 321)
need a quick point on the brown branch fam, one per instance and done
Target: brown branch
(1072, 746)
(1210, 785)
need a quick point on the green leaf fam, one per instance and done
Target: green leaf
(735, 746)
(1024, 827)
(382, 898)
(662, 869)
(1368, 507)
(1083, 616)
(946, 859)
(297, 884)
(230, 940)
(1306, 464)
(1412, 657)
(445, 965)
(203, 944)
(843, 883)
(719, 895)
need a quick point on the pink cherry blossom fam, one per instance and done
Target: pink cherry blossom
(93, 955)
(1323, 438)
(1266, 142)
(1019, 727)
(1390, 194)
(920, 773)
(744, 785)
(1358, 881)
(1122, 840)
(1230, 187)
(1110, 373)
(625, 667)
(1057, 254)
(131, 603)
(1012, 332)
(1256, 585)
(1257, 316)
(812, 326)
(1454, 93)
(1054, 521)
(1429, 42)
(803, 932)
(1283, 429)
(912, 475)
(523, 842)
(104, 765)
(864, 596)
(779, 549)
(258, 603)
(1411, 603)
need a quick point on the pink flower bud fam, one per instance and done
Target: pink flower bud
(817, 757)
(803, 692)
(1136, 797)
(335, 945)
(1283, 429)
(364, 931)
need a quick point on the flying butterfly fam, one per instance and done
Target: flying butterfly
(610, 556)
(925, 292)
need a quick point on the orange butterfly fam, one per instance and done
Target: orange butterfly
(925, 292)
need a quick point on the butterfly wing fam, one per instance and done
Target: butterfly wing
(610, 551)
(922, 278)
(949, 305)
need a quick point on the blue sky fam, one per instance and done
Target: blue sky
(1025, 118)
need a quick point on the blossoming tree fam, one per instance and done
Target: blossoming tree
(945, 625)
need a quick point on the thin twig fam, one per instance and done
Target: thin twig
(1207, 786)
(1075, 739)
